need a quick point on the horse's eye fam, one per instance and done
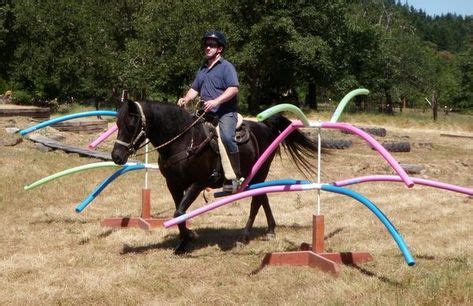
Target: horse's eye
(130, 124)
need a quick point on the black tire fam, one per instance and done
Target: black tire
(397, 146)
(338, 144)
(374, 131)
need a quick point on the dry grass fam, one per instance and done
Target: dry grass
(51, 255)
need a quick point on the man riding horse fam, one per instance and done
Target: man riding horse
(187, 158)
(217, 84)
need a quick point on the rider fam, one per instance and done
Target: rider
(217, 84)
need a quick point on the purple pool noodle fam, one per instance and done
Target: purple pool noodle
(394, 178)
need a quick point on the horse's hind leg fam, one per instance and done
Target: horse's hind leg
(269, 217)
(256, 203)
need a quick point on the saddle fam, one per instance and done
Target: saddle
(242, 133)
(210, 123)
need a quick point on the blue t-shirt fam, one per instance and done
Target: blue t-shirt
(211, 83)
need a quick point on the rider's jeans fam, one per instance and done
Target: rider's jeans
(227, 125)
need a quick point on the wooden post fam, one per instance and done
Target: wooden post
(146, 203)
(314, 256)
(145, 221)
(318, 233)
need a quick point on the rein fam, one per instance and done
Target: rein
(179, 135)
(143, 132)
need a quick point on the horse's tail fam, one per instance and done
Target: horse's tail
(300, 147)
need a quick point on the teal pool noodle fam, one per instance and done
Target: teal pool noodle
(65, 118)
(389, 226)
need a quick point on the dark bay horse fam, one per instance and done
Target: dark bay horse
(188, 161)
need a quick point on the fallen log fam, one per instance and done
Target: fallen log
(10, 110)
(456, 135)
(48, 142)
(87, 126)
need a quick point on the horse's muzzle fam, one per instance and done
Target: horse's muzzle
(119, 156)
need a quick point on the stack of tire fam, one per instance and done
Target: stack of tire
(392, 146)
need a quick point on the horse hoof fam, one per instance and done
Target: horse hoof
(193, 235)
(244, 240)
(181, 248)
(240, 244)
(269, 236)
(179, 251)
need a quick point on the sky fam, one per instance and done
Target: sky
(439, 7)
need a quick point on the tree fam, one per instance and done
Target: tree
(65, 48)
(283, 50)
(463, 98)
(162, 59)
(7, 42)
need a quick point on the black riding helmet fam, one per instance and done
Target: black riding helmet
(218, 36)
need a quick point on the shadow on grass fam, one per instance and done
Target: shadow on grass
(226, 239)
(333, 233)
(384, 279)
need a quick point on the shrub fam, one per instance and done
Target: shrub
(21, 97)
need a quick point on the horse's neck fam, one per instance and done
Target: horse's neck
(163, 127)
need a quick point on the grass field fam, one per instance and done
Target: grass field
(51, 255)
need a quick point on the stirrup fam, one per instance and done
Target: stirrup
(229, 189)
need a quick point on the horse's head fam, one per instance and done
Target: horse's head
(131, 122)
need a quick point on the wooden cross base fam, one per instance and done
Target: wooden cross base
(314, 255)
(145, 222)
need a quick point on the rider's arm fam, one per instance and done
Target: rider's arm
(227, 95)
(190, 95)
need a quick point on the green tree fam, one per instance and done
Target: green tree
(463, 99)
(65, 48)
(7, 42)
(161, 60)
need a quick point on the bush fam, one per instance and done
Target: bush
(3, 85)
(53, 105)
(21, 97)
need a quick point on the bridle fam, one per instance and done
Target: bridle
(141, 131)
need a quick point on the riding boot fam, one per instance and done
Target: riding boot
(231, 186)
(235, 162)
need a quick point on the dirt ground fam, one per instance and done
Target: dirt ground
(52, 255)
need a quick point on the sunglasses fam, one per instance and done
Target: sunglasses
(211, 44)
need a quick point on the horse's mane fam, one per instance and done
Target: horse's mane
(168, 116)
(169, 113)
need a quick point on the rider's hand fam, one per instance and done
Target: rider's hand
(181, 102)
(208, 105)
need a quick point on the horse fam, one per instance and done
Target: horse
(189, 161)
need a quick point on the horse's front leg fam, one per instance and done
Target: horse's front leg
(256, 203)
(185, 234)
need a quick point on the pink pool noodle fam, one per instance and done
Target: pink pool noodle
(342, 126)
(102, 137)
(394, 178)
(273, 146)
(388, 157)
(238, 196)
